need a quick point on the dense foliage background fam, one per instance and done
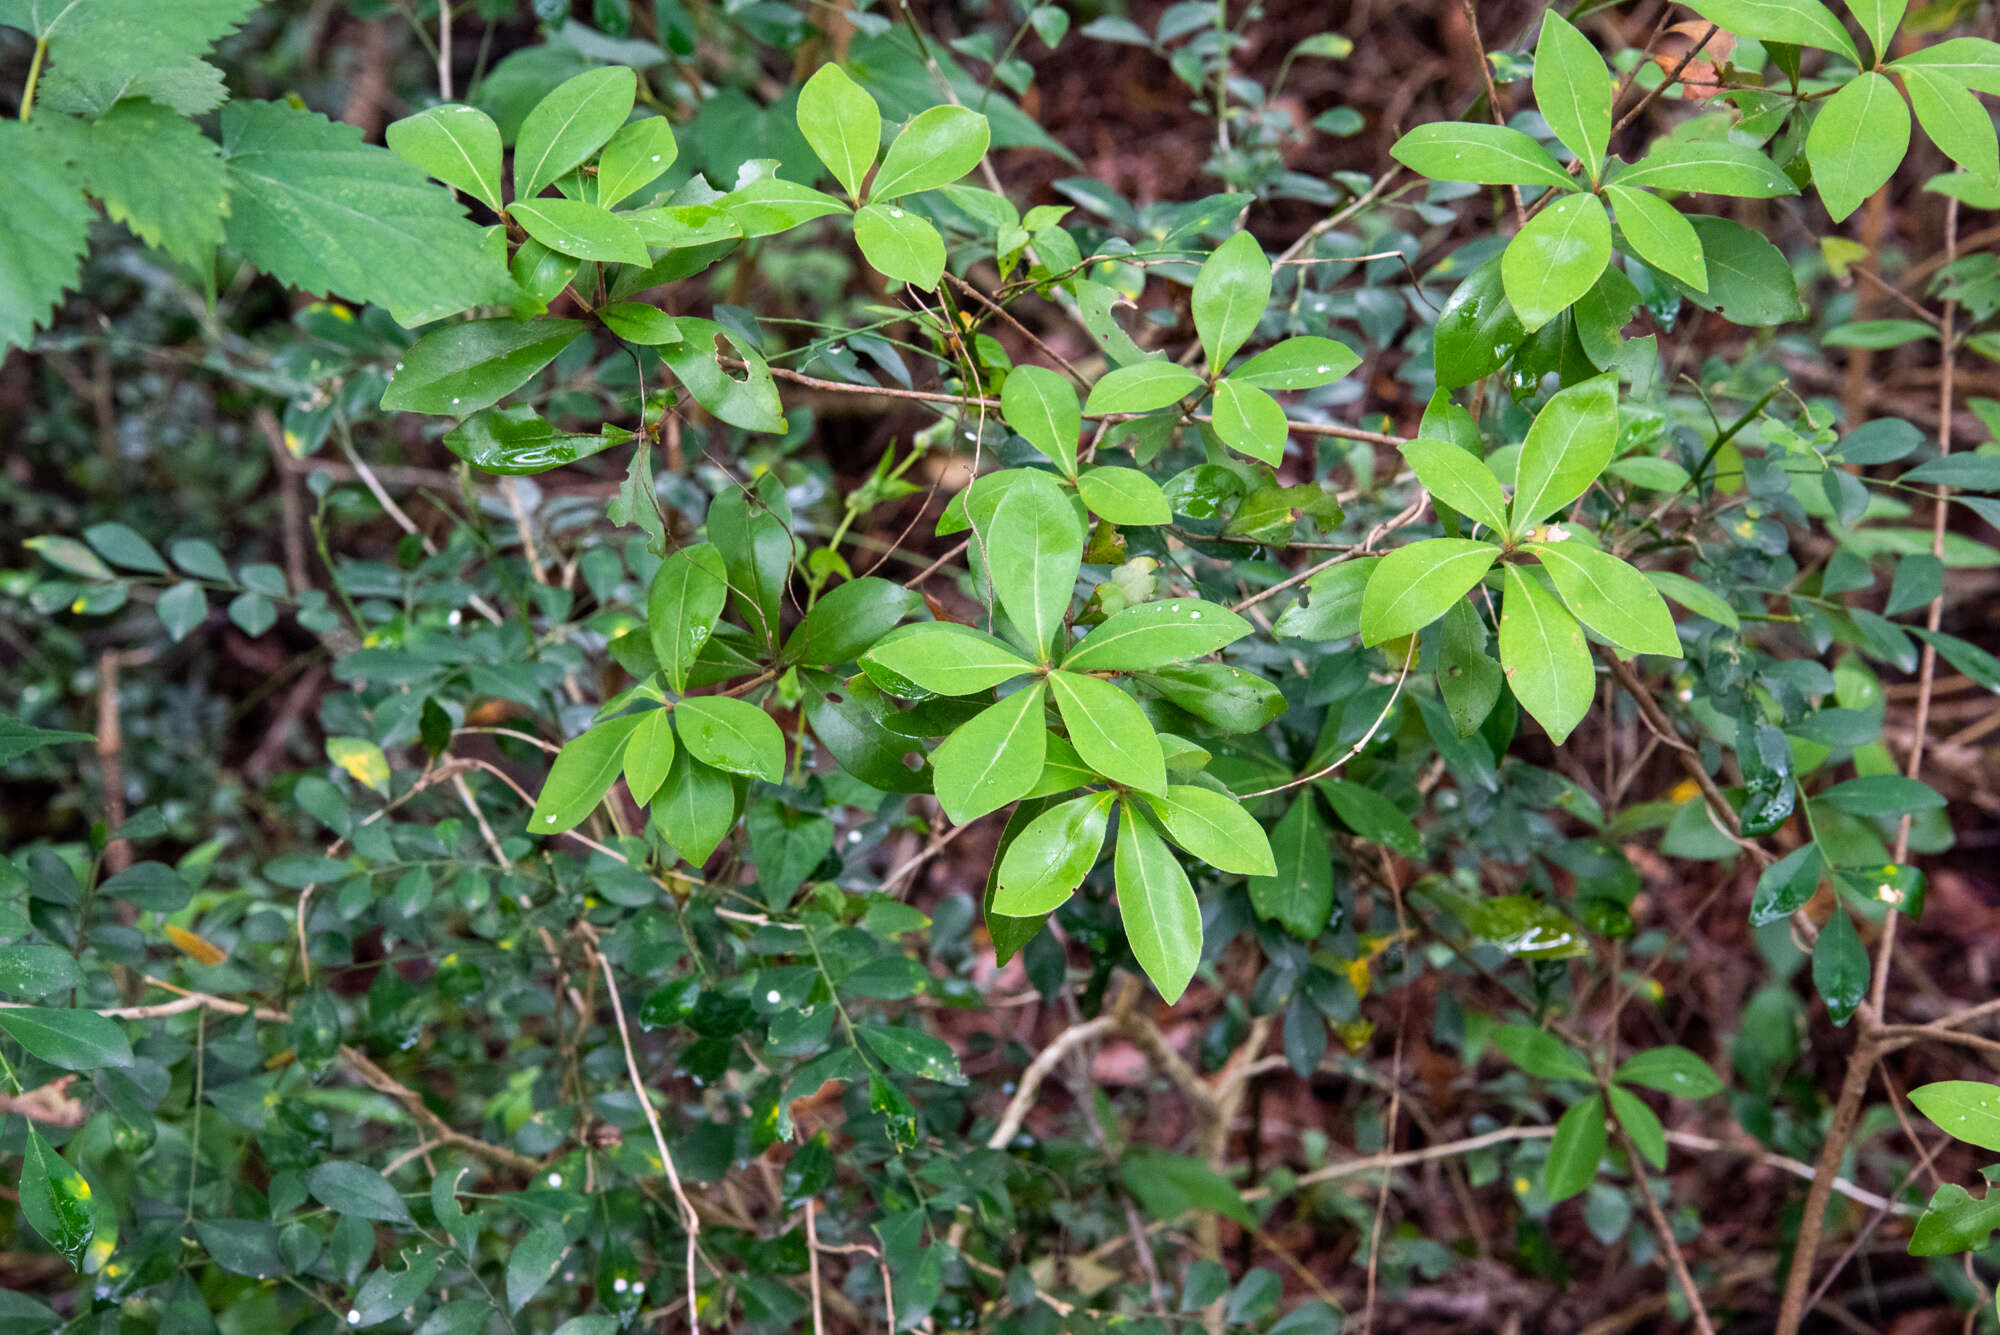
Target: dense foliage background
(588, 816)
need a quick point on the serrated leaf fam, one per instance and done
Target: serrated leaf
(160, 176)
(1157, 905)
(46, 222)
(454, 143)
(570, 124)
(1542, 652)
(1556, 258)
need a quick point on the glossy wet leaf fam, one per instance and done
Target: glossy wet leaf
(1576, 1150)
(682, 605)
(1555, 258)
(1966, 1110)
(900, 245)
(1249, 420)
(734, 736)
(1708, 166)
(849, 618)
(1640, 1124)
(637, 322)
(1140, 388)
(746, 398)
(586, 231)
(75, 1040)
(570, 124)
(456, 144)
(1477, 331)
(637, 155)
(1807, 22)
(1543, 653)
(1153, 635)
(461, 368)
(515, 441)
(582, 774)
(1305, 362)
(1840, 966)
(1049, 858)
(1540, 1053)
(1157, 905)
(695, 809)
(55, 1199)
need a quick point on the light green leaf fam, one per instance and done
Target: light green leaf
(1955, 1221)
(1750, 280)
(1578, 1147)
(1041, 407)
(1966, 1110)
(46, 221)
(696, 808)
(1879, 19)
(1543, 654)
(1413, 585)
(461, 368)
(750, 402)
(1566, 449)
(1215, 828)
(453, 143)
(1807, 22)
(1299, 896)
(1460, 479)
(515, 440)
(1473, 151)
(1573, 91)
(637, 322)
(770, 204)
(1556, 258)
(1641, 1125)
(900, 245)
(572, 227)
(1152, 635)
(1306, 362)
(1332, 610)
(55, 1198)
(731, 735)
(649, 754)
(1110, 731)
(842, 124)
(314, 207)
(1230, 294)
(1955, 121)
(1048, 860)
(1141, 388)
(936, 148)
(942, 658)
(1857, 141)
(1124, 496)
(637, 155)
(1671, 1070)
(582, 774)
(1659, 235)
(1251, 421)
(1710, 167)
(1610, 597)
(1540, 1053)
(160, 176)
(74, 1040)
(1972, 61)
(1161, 915)
(103, 50)
(1034, 550)
(569, 125)
(993, 759)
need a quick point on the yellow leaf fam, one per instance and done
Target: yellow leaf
(199, 949)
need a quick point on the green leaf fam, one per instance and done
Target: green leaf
(936, 148)
(853, 722)
(569, 125)
(586, 231)
(842, 124)
(1169, 1185)
(696, 808)
(1784, 887)
(1610, 597)
(1372, 816)
(1857, 141)
(1694, 597)
(582, 774)
(1576, 1150)
(649, 754)
(314, 207)
(453, 143)
(1972, 61)
(1543, 654)
(1879, 19)
(1659, 235)
(46, 221)
(515, 440)
(160, 176)
(1041, 408)
(1477, 331)
(847, 619)
(1049, 858)
(1966, 1110)
(105, 50)
(942, 658)
(1223, 696)
(1299, 896)
(461, 368)
(1469, 679)
(1883, 796)
(1806, 22)
(1485, 154)
(69, 555)
(37, 971)
(769, 205)
(1877, 333)
(1251, 421)
(912, 1052)
(533, 1262)
(1215, 828)
(124, 547)
(1671, 1070)
(55, 1198)
(1642, 1126)
(1749, 280)
(1306, 362)
(1556, 258)
(900, 245)
(1110, 731)
(636, 322)
(72, 1039)
(1573, 91)
(734, 736)
(1840, 966)
(1954, 120)
(1152, 635)
(1955, 1221)
(1123, 496)
(750, 402)
(1230, 293)
(1540, 1053)
(1161, 915)
(1567, 448)
(1460, 479)
(637, 155)
(1141, 388)
(1034, 549)
(1710, 167)
(1413, 585)
(993, 759)
(358, 1190)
